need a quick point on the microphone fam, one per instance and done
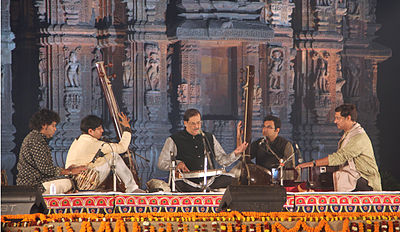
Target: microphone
(98, 154)
(300, 158)
(201, 132)
(262, 141)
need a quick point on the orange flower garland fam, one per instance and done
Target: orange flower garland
(231, 220)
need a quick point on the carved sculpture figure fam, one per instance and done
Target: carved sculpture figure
(127, 75)
(353, 73)
(321, 80)
(152, 67)
(43, 71)
(353, 8)
(276, 67)
(72, 71)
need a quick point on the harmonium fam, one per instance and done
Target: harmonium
(317, 178)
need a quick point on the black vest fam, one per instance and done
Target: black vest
(191, 149)
(264, 157)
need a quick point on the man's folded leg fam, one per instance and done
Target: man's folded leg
(126, 175)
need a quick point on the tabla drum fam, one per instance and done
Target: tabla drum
(87, 180)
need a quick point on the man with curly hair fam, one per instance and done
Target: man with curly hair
(35, 164)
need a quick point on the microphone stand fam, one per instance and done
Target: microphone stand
(172, 170)
(281, 161)
(282, 164)
(113, 172)
(206, 160)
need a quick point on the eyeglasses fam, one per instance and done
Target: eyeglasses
(195, 123)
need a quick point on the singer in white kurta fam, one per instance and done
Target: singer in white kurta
(87, 146)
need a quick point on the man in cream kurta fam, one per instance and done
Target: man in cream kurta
(84, 149)
(358, 170)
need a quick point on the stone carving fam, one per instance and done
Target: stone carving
(339, 95)
(183, 93)
(353, 9)
(279, 13)
(257, 94)
(72, 70)
(324, 2)
(321, 72)
(127, 75)
(72, 101)
(352, 75)
(43, 79)
(71, 11)
(275, 75)
(252, 49)
(291, 71)
(152, 66)
(340, 81)
(43, 70)
(277, 99)
(41, 9)
(97, 103)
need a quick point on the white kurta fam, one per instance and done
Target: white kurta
(84, 149)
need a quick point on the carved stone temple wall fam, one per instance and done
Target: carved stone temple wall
(310, 56)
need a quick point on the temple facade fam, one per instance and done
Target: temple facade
(168, 56)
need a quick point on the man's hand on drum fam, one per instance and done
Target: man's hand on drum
(124, 120)
(241, 148)
(182, 167)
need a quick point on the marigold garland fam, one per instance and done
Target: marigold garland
(241, 221)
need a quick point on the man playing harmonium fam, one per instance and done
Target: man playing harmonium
(99, 156)
(190, 147)
(355, 156)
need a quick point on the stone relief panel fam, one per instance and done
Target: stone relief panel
(43, 71)
(97, 95)
(152, 67)
(321, 83)
(127, 76)
(73, 90)
(278, 12)
(72, 70)
(276, 78)
(352, 73)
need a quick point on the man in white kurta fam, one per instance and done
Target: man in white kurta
(84, 149)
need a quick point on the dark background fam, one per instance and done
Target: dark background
(387, 14)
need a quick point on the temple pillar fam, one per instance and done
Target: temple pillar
(8, 158)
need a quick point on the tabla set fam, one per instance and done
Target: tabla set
(87, 180)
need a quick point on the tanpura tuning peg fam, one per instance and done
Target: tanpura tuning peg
(109, 65)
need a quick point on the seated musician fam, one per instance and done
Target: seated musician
(281, 147)
(187, 147)
(89, 150)
(358, 170)
(35, 163)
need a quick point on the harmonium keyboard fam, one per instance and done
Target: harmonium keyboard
(201, 174)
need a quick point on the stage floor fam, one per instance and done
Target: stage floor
(116, 202)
